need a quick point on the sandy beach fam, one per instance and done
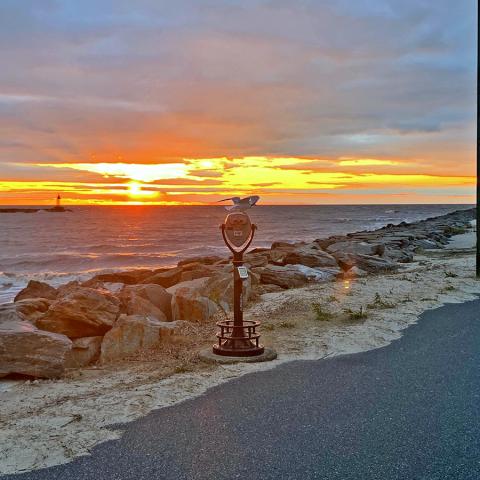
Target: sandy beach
(47, 422)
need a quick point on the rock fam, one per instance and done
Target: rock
(82, 313)
(36, 289)
(282, 245)
(155, 294)
(426, 244)
(206, 260)
(188, 302)
(197, 284)
(310, 257)
(286, 277)
(277, 256)
(319, 274)
(192, 271)
(113, 288)
(354, 272)
(219, 289)
(369, 263)
(166, 279)
(26, 350)
(356, 247)
(258, 250)
(256, 259)
(133, 304)
(130, 277)
(398, 255)
(85, 351)
(31, 309)
(131, 334)
(277, 253)
(68, 288)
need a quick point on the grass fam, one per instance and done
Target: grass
(268, 327)
(356, 315)
(321, 314)
(182, 369)
(379, 302)
(286, 324)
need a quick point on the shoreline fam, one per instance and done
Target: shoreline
(40, 268)
(60, 419)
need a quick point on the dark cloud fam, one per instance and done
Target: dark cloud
(157, 80)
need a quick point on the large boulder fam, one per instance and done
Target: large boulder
(368, 263)
(26, 350)
(130, 277)
(31, 309)
(278, 252)
(325, 274)
(156, 295)
(85, 351)
(219, 289)
(84, 312)
(165, 278)
(36, 289)
(398, 255)
(354, 273)
(363, 248)
(189, 303)
(282, 245)
(288, 276)
(259, 259)
(192, 271)
(131, 334)
(424, 243)
(310, 256)
(69, 287)
(136, 305)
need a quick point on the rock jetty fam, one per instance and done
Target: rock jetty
(34, 210)
(112, 316)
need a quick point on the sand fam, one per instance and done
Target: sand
(45, 423)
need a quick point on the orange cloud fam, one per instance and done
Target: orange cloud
(277, 179)
(362, 162)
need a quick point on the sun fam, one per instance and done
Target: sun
(134, 189)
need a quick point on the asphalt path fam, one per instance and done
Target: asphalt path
(410, 410)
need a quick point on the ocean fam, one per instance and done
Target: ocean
(59, 247)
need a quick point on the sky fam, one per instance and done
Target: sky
(192, 101)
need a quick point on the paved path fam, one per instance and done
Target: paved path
(407, 411)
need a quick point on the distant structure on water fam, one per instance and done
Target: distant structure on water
(57, 207)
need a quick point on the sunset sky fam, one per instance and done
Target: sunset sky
(301, 102)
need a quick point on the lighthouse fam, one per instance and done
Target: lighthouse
(57, 207)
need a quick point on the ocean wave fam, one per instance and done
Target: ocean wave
(63, 262)
(115, 248)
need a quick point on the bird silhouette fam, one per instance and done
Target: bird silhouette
(241, 204)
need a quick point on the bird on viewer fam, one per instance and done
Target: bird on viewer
(241, 204)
